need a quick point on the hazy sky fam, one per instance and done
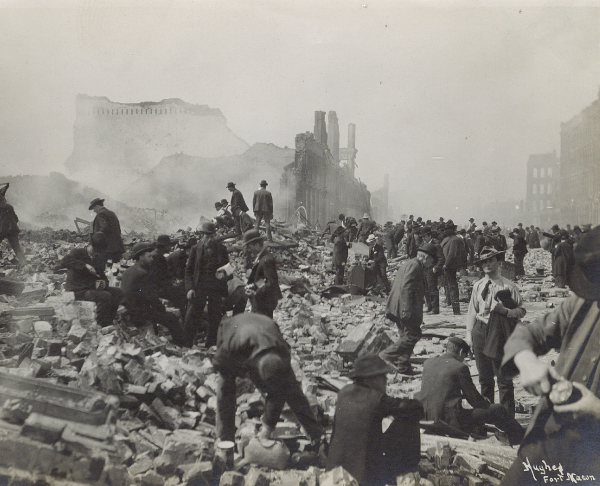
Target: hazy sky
(448, 98)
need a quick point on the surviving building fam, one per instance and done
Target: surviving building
(543, 178)
(321, 178)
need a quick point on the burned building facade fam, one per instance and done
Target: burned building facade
(321, 178)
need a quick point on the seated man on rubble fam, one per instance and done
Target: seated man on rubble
(252, 345)
(178, 259)
(358, 444)
(87, 280)
(447, 381)
(161, 271)
(141, 294)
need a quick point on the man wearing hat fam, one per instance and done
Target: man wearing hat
(379, 262)
(107, 222)
(454, 251)
(486, 326)
(340, 254)
(262, 205)
(567, 434)
(405, 308)
(554, 237)
(373, 457)
(433, 273)
(263, 281)
(141, 294)
(161, 271)
(471, 225)
(562, 260)
(237, 206)
(412, 242)
(447, 382)
(8, 225)
(87, 280)
(519, 250)
(366, 227)
(534, 238)
(223, 219)
(351, 226)
(203, 286)
(252, 346)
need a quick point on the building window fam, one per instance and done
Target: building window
(534, 189)
(549, 188)
(535, 172)
(542, 188)
(549, 171)
(542, 172)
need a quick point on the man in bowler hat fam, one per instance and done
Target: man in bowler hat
(262, 204)
(237, 207)
(107, 222)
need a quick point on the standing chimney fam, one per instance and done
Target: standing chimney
(333, 138)
(320, 127)
(351, 135)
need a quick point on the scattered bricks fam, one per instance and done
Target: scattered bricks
(117, 476)
(199, 473)
(43, 329)
(173, 481)
(337, 477)
(108, 381)
(137, 374)
(473, 480)
(54, 347)
(444, 479)
(443, 454)
(469, 463)
(169, 415)
(15, 411)
(426, 467)
(39, 311)
(87, 469)
(150, 479)
(24, 325)
(255, 477)
(186, 446)
(142, 464)
(292, 478)
(164, 465)
(408, 479)
(77, 332)
(43, 428)
(231, 478)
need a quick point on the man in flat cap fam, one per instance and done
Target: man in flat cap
(372, 457)
(107, 222)
(8, 225)
(565, 434)
(237, 207)
(262, 204)
(447, 382)
(405, 308)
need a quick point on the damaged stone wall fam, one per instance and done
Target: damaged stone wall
(322, 181)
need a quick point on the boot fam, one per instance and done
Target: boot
(456, 308)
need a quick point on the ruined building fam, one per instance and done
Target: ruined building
(321, 178)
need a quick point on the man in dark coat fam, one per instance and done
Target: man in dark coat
(204, 286)
(252, 345)
(453, 256)
(562, 260)
(447, 382)
(486, 327)
(238, 206)
(263, 282)
(433, 273)
(534, 238)
(8, 225)
(366, 227)
(161, 271)
(107, 222)
(263, 207)
(519, 251)
(479, 243)
(566, 435)
(388, 240)
(373, 457)
(141, 294)
(340, 254)
(351, 226)
(87, 280)
(405, 308)
(177, 260)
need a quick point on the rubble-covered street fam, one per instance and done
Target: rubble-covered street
(111, 406)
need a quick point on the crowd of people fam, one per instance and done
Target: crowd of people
(197, 279)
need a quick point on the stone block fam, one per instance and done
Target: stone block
(77, 332)
(469, 463)
(118, 476)
(199, 474)
(444, 479)
(43, 329)
(150, 478)
(255, 477)
(43, 428)
(141, 465)
(337, 477)
(231, 478)
(164, 465)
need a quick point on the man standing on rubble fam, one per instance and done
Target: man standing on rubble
(262, 204)
(351, 226)
(161, 271)
(373, 457)
(453, 256)
(204, 286)
(494, 309)
(340, 254)
(141, 294)
(8, 225)
(263, 281)
(365, 228)
(447, 382)
(252, 345)
(405, 308)
(238, 206)
(87, 280)
(433, 273)
(107, 222)
(567, 434)
(378, 262)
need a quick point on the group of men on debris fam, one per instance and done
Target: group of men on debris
(251, 344)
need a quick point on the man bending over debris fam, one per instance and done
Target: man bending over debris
(358, 444)
(447, 381)
(142, 294)
(87, 280)
(252, 345)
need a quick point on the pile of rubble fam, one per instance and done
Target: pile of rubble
(113, 406)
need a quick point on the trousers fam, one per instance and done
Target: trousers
(107, 302)
(495, 414)
(432, 294)
(211, 292)
(278, 386)
(13, 241)
(399, 352)
(451, 286)
(339, 274)
(267, 219)
(488, 369)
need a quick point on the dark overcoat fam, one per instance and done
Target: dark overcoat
(265, 270)
(405, 301)
(107, 222)
(262, 202)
